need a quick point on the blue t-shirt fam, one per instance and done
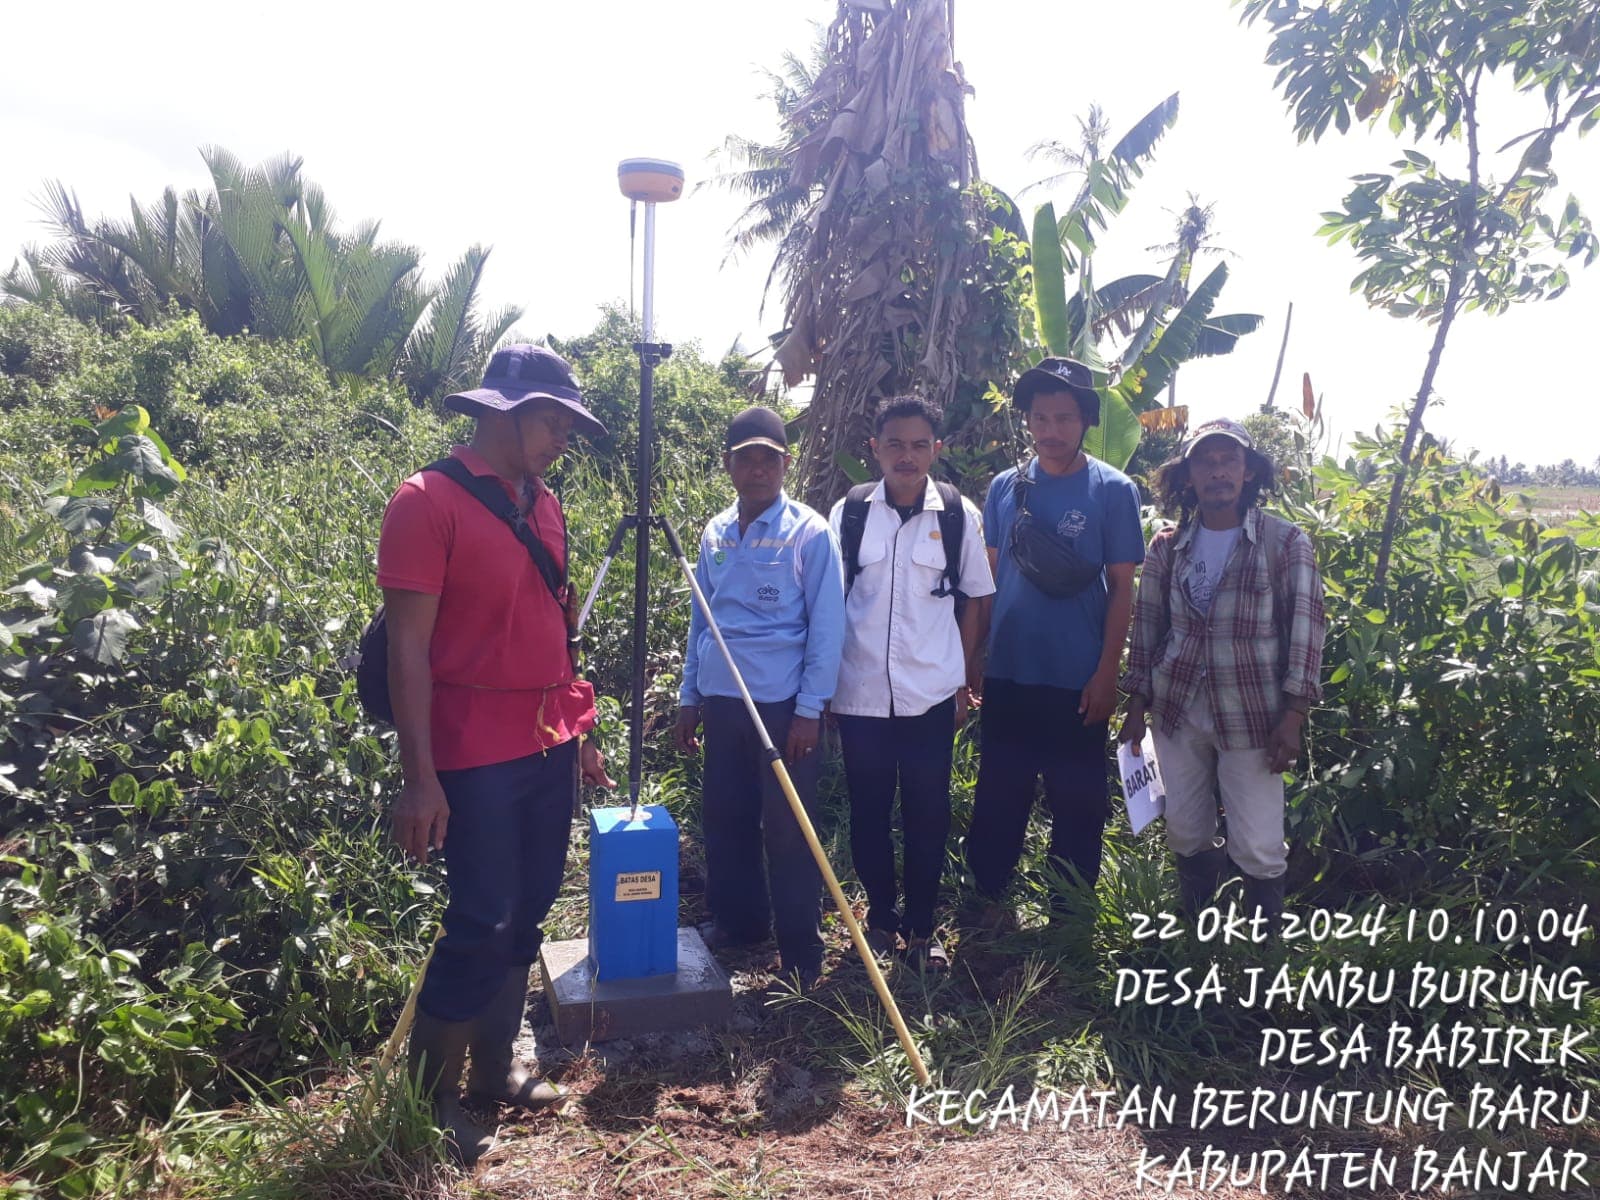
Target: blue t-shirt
(1035, 638)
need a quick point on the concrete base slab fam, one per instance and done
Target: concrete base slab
(586, 1009)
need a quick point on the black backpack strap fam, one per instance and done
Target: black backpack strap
(1020, 484)
(492, 496)
(852, 525)
(952, 528)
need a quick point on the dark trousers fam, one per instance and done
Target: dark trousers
(505, 851)
(745, 814)
(1029, 731)
(913, 754)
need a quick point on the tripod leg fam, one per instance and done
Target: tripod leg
(804, 821)
(612, 551)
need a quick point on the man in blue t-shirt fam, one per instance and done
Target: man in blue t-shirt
(1064, 537)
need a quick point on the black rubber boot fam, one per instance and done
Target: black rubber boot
(495, 1074)
(437, 1051)
(1265, 896)
(1199, 875)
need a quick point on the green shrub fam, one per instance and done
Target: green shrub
(1458, 726)
(38, 347)
(207, 804)
(218, 401)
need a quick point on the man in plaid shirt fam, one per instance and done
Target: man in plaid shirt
(1226, 661)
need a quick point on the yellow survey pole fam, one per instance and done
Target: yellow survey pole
(408, 1014)
(804, 820)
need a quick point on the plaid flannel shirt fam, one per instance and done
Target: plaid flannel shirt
(1260, 644)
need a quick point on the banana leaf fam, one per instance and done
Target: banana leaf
(1177, 341)
(1049, 282)
(1114, 440)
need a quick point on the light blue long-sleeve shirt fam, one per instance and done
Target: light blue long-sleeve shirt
(778, 596)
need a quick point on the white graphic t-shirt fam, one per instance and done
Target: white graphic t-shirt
(1208, 554)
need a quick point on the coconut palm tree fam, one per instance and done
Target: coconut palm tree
(760, 171)
(1076, 157)
(1195, 234)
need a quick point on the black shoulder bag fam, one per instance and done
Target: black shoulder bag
(1047, 559)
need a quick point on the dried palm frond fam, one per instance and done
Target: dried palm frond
(890, 246)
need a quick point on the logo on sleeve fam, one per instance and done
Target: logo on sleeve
(768, 594)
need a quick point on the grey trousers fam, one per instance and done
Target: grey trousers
(1194, 769)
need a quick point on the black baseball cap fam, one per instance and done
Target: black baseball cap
(523, 372)
(756, 426)
(1059, 375)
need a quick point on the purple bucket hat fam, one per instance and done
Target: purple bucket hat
(517, 374)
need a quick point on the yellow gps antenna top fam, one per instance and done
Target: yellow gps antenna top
(652, 180)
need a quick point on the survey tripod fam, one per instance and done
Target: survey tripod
(637, 522)
(654, 181)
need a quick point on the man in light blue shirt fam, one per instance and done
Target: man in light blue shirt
(771, 572)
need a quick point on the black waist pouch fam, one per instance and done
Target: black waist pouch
(1046, 559)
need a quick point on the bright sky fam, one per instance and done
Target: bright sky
(503, 124)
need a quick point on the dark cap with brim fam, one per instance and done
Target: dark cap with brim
(521, 373)
(1060, 375)
(757, 426)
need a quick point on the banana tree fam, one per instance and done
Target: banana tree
(1071, 321)
(1165, 323)
(1131, 382)
(1162, 342)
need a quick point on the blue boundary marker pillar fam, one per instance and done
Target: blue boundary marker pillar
(633, 893)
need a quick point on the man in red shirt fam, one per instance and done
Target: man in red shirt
(490, 717)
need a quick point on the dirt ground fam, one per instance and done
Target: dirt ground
(772, 1105)
(706, 1114)
(731, 1113)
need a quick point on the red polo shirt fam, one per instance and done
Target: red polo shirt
(503, 686)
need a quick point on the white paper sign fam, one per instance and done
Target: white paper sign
(1141, 783)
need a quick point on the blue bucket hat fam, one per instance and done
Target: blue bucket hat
(517, 374)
